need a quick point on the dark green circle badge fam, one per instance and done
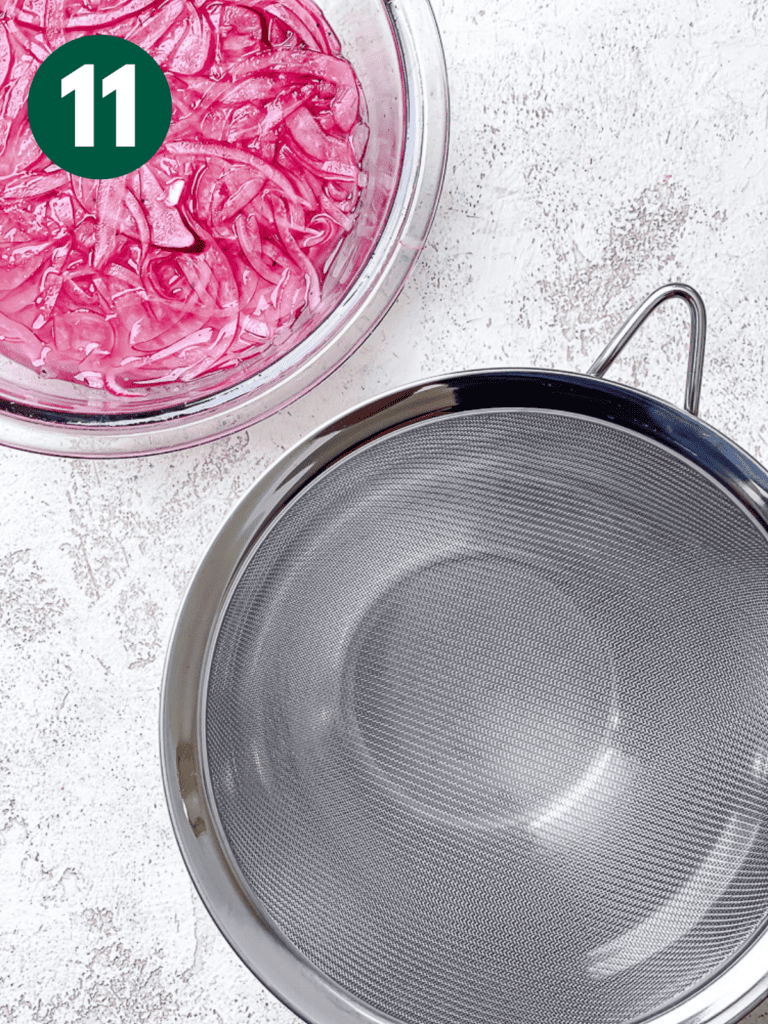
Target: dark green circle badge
(99, 106)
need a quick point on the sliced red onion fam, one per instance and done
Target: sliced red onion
(203, 259)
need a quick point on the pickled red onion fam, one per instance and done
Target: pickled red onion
(204, 258)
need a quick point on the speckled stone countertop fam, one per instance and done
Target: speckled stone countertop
(599, 150)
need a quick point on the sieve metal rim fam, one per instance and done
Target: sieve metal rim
(280, 967)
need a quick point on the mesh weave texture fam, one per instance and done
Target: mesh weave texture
(487, 723)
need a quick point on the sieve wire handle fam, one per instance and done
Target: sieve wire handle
(698, 336)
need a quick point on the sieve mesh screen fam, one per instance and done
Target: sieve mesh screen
(486, 723)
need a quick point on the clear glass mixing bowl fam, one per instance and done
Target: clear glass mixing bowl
(395, 49)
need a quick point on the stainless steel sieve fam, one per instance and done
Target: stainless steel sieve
(465, 715)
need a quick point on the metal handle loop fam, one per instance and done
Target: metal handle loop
(698, 336)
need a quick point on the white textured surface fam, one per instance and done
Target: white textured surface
(599, 149)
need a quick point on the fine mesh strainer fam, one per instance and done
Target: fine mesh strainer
(465, 717)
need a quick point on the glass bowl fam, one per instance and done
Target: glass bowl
(396, 52)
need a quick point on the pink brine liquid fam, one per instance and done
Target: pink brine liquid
(204, 257)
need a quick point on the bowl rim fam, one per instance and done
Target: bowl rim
(422, 172)
(236, 910)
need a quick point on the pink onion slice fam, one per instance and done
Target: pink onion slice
(203, 259)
